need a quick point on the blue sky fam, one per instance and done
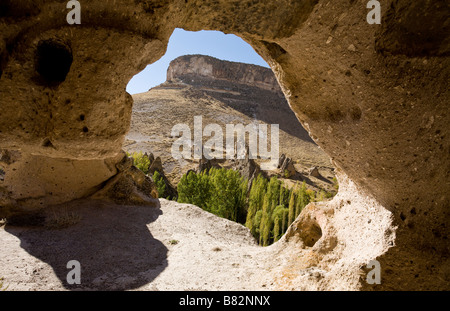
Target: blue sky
(213, 43)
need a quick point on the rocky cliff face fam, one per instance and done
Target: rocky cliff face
(187, 67)
(250, 89)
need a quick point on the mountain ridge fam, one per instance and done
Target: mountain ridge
(186, 66)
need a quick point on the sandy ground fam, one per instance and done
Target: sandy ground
(174, 247)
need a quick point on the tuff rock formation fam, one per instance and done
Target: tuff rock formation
(190, 67)
(287, 168)
(314, 171)
(129, 186)
(374, 97)
(156, 166)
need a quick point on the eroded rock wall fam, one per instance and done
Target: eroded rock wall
(374, 97)
(209, 67)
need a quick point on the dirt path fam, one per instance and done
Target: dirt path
(176, 247)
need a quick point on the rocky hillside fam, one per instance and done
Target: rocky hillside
(250, 89)
(223, 93)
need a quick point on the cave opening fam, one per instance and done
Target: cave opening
(221, 80)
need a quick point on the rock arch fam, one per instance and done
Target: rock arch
(374, 97)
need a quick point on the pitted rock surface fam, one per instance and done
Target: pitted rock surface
(373, 97)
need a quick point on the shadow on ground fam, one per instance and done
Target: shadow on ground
(112, 243)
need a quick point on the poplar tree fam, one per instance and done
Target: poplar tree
(255, 202)
(273, 191)
(276, 229)
(277, 218)
(303, 199)
(257, 224)
(292, 206)
(282, 194)
(265, 227)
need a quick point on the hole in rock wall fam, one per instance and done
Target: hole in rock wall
(222, 80)
(47, 143)
(314, 233)
(53, 60)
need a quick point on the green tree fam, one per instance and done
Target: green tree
(255, 202)
(194, 189)
(291, 216)
(276, 229)
(273, 191)
(256, 224)
(160, 184)
(228, 194)
(303, 199)
(279, 218)
(284, 195)
(219, 191)
(284, 220)
(265, 224)
(311, 196)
